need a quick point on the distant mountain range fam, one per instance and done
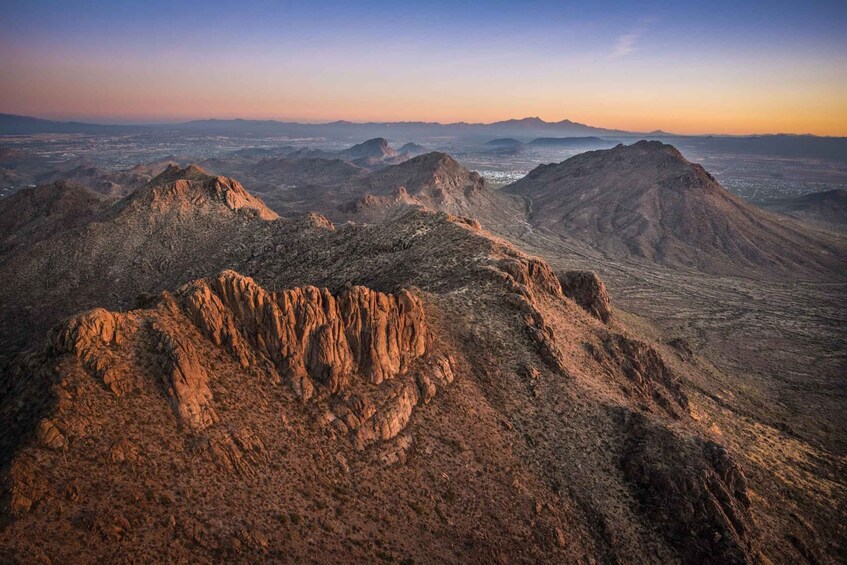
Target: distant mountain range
(520, 130)
(828, 207)
(11, 124)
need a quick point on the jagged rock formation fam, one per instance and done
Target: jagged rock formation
(310, 336)
(317, 342)
(587, 290)
(646, 201)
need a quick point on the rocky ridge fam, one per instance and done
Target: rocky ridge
(321, 345)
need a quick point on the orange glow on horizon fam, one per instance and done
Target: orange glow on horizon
(698, 103)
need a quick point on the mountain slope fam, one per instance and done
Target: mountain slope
(181, 224)
(377, 417)
(283, 389)
(646, 201)
(33, 214)
(109, 183)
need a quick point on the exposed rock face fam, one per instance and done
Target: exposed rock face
(90, 337)
(310, 336)
(527, 277)
(50, 436)
(529, 280)
(320, 343)
(587, 290)
(693, 489)
(648, 378)
(185, 379)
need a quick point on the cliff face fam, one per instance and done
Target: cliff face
(322, 345)
(587, 290)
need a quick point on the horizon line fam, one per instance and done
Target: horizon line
(153, 123)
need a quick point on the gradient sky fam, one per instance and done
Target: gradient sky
(706, 67)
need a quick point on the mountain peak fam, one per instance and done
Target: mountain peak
(193, 188)
(647, 200)
(174, 172)
(433, 172)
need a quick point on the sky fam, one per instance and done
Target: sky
(684, 67)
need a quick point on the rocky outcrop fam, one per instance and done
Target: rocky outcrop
(647, 377)
(91, 337)
(692, 489)
(323, 345)
(184, 378)
(50, 436)
(238, 451)
(381, 415)
(310, 336)
(586, 289)
(527, 277)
